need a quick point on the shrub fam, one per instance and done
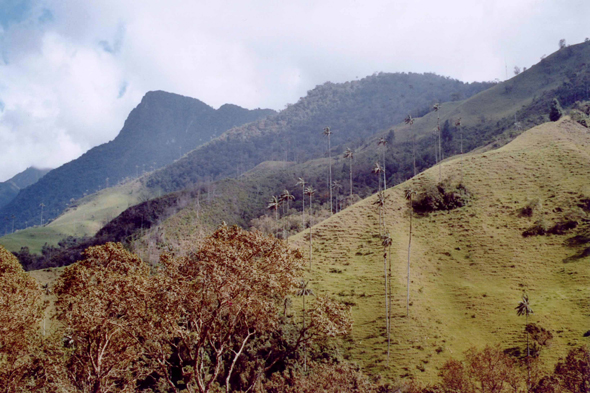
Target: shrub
(555, 112)
(443, 196)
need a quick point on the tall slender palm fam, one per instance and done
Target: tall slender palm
(287, 197)
(383, 142)
(409, 196)
(436, 107)
(458, 125)
(303, 292)
(350, 155)
(301, 182)
(410, 120)
(328, 133)
(274, 204)
(337, 187)
(386, 243)
(42, 205)
(524, 308)
(310, 191)
(380, 202)
(377, 171)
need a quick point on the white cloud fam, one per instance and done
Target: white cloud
(75, 69)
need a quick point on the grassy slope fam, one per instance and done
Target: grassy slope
(470, 265)
(90, 214)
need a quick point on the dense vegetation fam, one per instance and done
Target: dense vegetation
(353, 110)
(159, 130)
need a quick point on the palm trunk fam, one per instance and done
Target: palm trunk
(350, 167)
(409, 252)
(304, 345)
(528, 353)
(330, 162)
(439, 152)
(386, 300)
(389, 309)
(310, 232)
(414, 151)
(384, 176)
(303, 209)
(461, 133)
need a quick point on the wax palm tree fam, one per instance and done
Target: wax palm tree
(383, 142)
(337, 187)
(380, 202)
(303, 292)
(458, 125)
(350, 155)
(287, 197)
(410, 120)
(310, 191)
(524, 308)
(274, 204)
(42, 205)
(436, 107)
(301, 182)
(409, 193)
(386, 243)
(328, 133)
(377, 171)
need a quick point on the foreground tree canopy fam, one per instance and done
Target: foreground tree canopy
(214, 320)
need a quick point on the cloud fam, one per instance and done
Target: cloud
(71, 71)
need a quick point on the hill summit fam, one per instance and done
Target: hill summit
(162, 128)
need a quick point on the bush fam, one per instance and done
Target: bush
(556, 112)
(443, 196)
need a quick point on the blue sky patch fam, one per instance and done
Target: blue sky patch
(14, 11)
(122, 89)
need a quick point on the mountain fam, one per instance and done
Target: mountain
(354, 110)
(525, 227)
(10, 188)
(159, 130)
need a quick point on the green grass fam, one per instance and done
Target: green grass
(85, 219)
(469, 265)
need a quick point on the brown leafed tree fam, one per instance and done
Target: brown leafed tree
(224, 295)
(21, 310)
(101, 303)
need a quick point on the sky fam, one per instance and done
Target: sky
(71, 70)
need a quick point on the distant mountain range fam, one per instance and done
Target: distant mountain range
(11, 187)
(159, 130)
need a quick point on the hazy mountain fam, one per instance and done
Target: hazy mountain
(10, 188)
(159, 130)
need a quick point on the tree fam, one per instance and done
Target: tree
(410, 120)
(301, 182)
(458, 126)
(516, 70)
(573, 372)
(383, 143)
(562, 43)
(225, 295)
(101, 302)
(555, 112)
(436, 107)
(328, 133)
(303, 292)
(348, 153)
(20, 313)
(409, 194)
(337, 187)
(274, 204)
(310, 191)
(524, 308)
(386, 243)
(287, 197)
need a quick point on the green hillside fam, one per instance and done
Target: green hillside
(469, 265)
(84, 218)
